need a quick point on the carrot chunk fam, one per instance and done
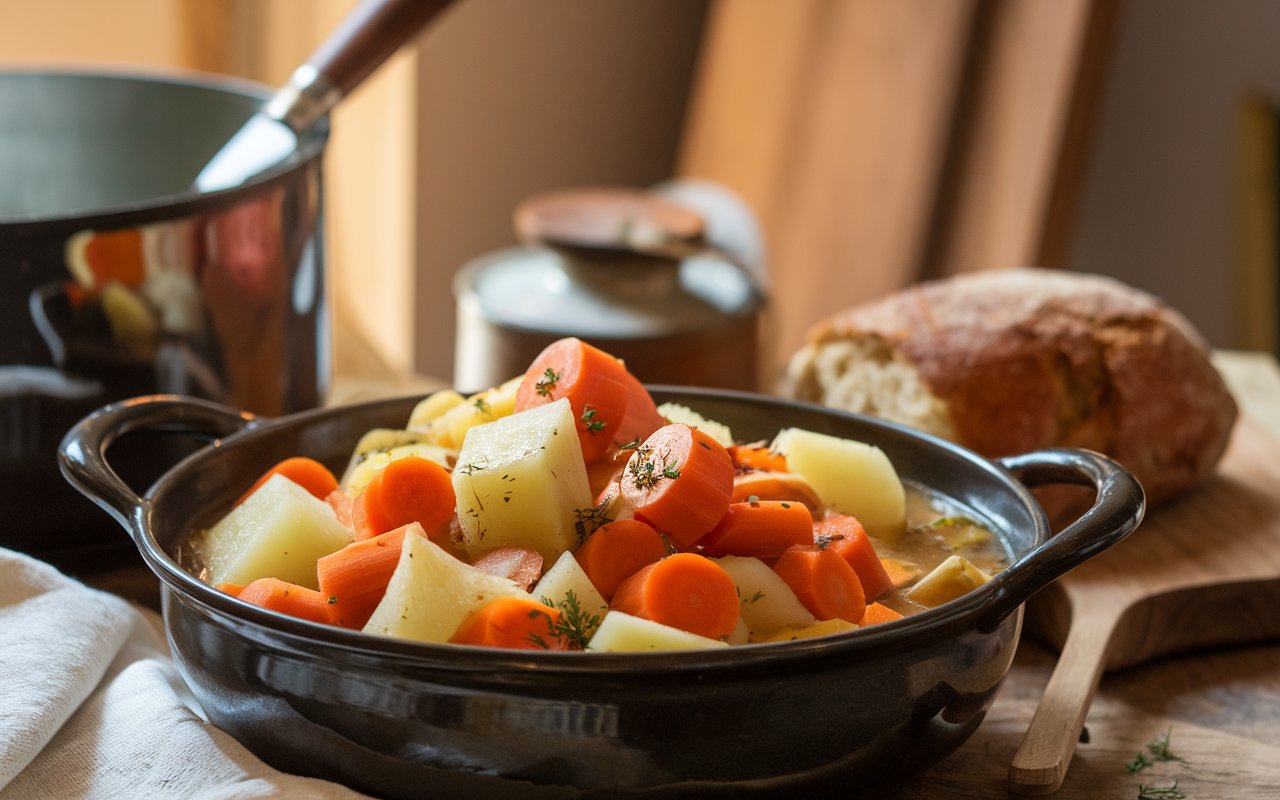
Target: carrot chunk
(616, 551)
(608, 403)
(878, 612)
(306, 472)
(288, 598)
(354, 579)
(760, 528)
(410, 489)
(519, 564)
(845, 535)
(680, 481)
(513, 622)
(685, 591)
(822, 581)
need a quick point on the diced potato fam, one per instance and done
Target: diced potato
(852, 477)
(277, 532)
(623, 633)
(766, 603)
(519, 480)
(952, 578)
(363, 467)
(674, 412)
(450, 428)
(431, 408)
(740, 634)
(431, 592)
(826, 627)
(566, 576)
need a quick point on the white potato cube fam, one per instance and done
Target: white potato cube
(450, 428)
(765, 601)
(566, 576)
(952, 578)
(519, 480)
(277, 532)
(623, 633)
(431, 592)
(852, 477)
(431, 408)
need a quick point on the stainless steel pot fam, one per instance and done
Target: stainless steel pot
(120, 280)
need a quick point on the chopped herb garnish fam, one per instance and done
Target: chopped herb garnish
(589, 419)
(587, 520)
(575, 626)
(631, 445)
(481, 405)
(549, 380)
(1157, 750)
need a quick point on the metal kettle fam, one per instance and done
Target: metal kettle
(627, 270)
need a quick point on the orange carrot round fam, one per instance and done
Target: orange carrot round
(409, 489)
(760, 528)
(680, 481)
(611, 407)
(751, 457)
(685, 591)
(513, 622)
(288, 598)
(845, 535)
(306, 472)
(823, 582)
(616, 551)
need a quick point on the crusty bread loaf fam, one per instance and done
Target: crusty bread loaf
(1008, 361)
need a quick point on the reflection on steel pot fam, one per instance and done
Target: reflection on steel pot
(119, 280)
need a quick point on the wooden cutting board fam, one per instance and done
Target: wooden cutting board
(1202, 571)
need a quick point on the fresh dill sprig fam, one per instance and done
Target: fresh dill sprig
(1146, 792)
(549, 380)
(576, 626)
(1157, 751)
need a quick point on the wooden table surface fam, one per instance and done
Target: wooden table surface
(1220, 708)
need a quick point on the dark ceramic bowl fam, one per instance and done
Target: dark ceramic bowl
(406, 719)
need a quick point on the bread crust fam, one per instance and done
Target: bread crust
(1023, 359)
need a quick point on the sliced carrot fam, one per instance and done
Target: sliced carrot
(760, 528)
(513, 622)
(288, 598)
(845, 535)
(409, 489)
(776, 486)
(680, 481)
(618, 550)
(878, 612)
(751, 457)
(591, 379)
(340, 502)
(233, 589)
(823, 582)
(685, 591)
(354, 579)
(519, 564)
(306, 472)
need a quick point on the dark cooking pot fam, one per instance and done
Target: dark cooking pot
(119, 280)
(403, 719)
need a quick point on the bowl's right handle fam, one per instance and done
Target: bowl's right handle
(82, 455)
(1116, 512)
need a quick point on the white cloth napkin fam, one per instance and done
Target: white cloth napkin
(92, 706)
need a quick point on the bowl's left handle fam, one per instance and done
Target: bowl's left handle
(83, 453)
(1116, 511)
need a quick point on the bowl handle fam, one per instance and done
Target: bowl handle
(1116, 512)
(82, 454)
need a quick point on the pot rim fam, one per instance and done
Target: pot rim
(311, 145)
(285, 631)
